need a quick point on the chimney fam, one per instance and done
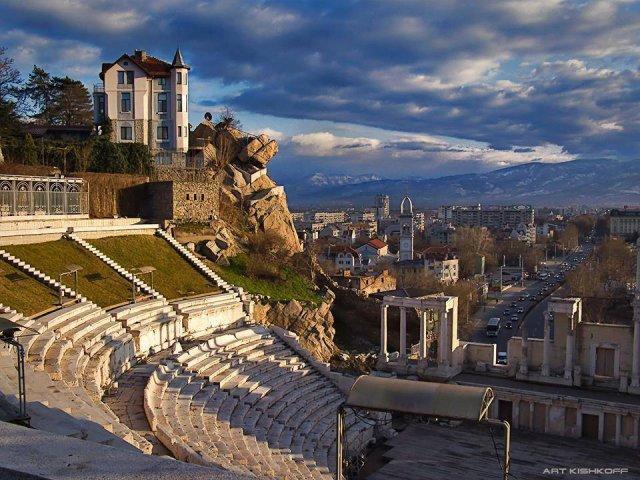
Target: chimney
(140, 55)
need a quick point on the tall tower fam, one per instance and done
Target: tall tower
(180, 102)
(382, 206)
(406, 230)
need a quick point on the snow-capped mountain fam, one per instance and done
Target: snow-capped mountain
(599, 182)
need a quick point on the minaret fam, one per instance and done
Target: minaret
(406, 230)
(180, 102)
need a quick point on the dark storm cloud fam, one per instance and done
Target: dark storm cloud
(509, 73)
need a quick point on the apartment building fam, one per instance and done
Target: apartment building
(624, 222)
(496, 217)
(147, 101)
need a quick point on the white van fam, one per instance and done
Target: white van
(493, 327)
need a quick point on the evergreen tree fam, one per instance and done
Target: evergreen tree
(107, 157)
(40, 92)
(71, 103)
(30, 151)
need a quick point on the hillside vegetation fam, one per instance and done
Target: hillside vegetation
(174, 276)
(96, 281)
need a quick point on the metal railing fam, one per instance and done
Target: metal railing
(36, 202)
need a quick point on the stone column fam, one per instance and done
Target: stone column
(403, 334)
(546, 346)
(570, 347)
(383, 333)
(524, 354)
(444, 346)
(422, 354)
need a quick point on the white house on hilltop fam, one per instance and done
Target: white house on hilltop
(147, 101)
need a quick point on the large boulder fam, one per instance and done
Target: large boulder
(259, 150)
(312, 324)
(267, 211)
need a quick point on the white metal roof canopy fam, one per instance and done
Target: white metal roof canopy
(420, 398)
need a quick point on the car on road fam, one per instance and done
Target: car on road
(520, 310)
(514, 304)
(522, 299)
(501, 358)
(508, 324)
(506, 313)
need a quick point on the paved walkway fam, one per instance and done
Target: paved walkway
(583, 393)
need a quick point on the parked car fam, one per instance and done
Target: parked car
(502, 358)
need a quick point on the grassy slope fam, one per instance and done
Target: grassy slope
(22, 292)
(97, 281)
(294, 286)
(174, 277)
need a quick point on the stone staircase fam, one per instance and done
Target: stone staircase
(206, 314)
(41, 277)
(243, 400)
(196, 262)
(78, 351)
(116, 266)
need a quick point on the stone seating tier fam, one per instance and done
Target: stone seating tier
(243, 398)
(211, 313)
(83, 346)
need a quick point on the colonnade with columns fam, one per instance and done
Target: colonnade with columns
(439, 308)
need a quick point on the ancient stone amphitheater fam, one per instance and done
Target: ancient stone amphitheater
(192, 377)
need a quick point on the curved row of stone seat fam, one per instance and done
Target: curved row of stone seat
(195, 261)
(153, 324)
(86, 348)
(115, 265)
(210, 313)
(250, 389)
(40, 276)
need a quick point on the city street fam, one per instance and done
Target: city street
(516, 295)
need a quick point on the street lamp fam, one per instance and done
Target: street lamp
(146, 270)
(71, 270)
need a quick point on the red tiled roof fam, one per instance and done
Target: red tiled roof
(439, 253)
(376, 243)
(152, 66)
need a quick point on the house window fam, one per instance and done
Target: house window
(162, 81)
(129, 77)
(202, 197)
(126, 133)
(162, 103)
(125, 102)
(179, 101)
(179, 78)
(187, 196)
(185, 78)
(179, 131)
(163, 133)
(121, 78)
(101, 105)
(186, 131)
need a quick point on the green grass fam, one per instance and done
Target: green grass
(96, 281)
(22, 292)
(293, 286)
(174, 277)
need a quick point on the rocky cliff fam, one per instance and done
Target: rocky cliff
(242, 158)
(313, 324)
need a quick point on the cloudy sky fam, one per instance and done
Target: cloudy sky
(391, 88)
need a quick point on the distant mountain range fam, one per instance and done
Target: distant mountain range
(598, 182)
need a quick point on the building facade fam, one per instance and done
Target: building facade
(147, 101)
(497, 217)
(382, 206)
(624, 222)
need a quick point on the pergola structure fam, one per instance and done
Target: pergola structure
(437, 308)
(438, 400)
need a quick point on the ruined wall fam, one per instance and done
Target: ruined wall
(111, 194)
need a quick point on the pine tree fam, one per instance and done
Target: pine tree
(30, 151)
(71, 103)
(39, 89)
